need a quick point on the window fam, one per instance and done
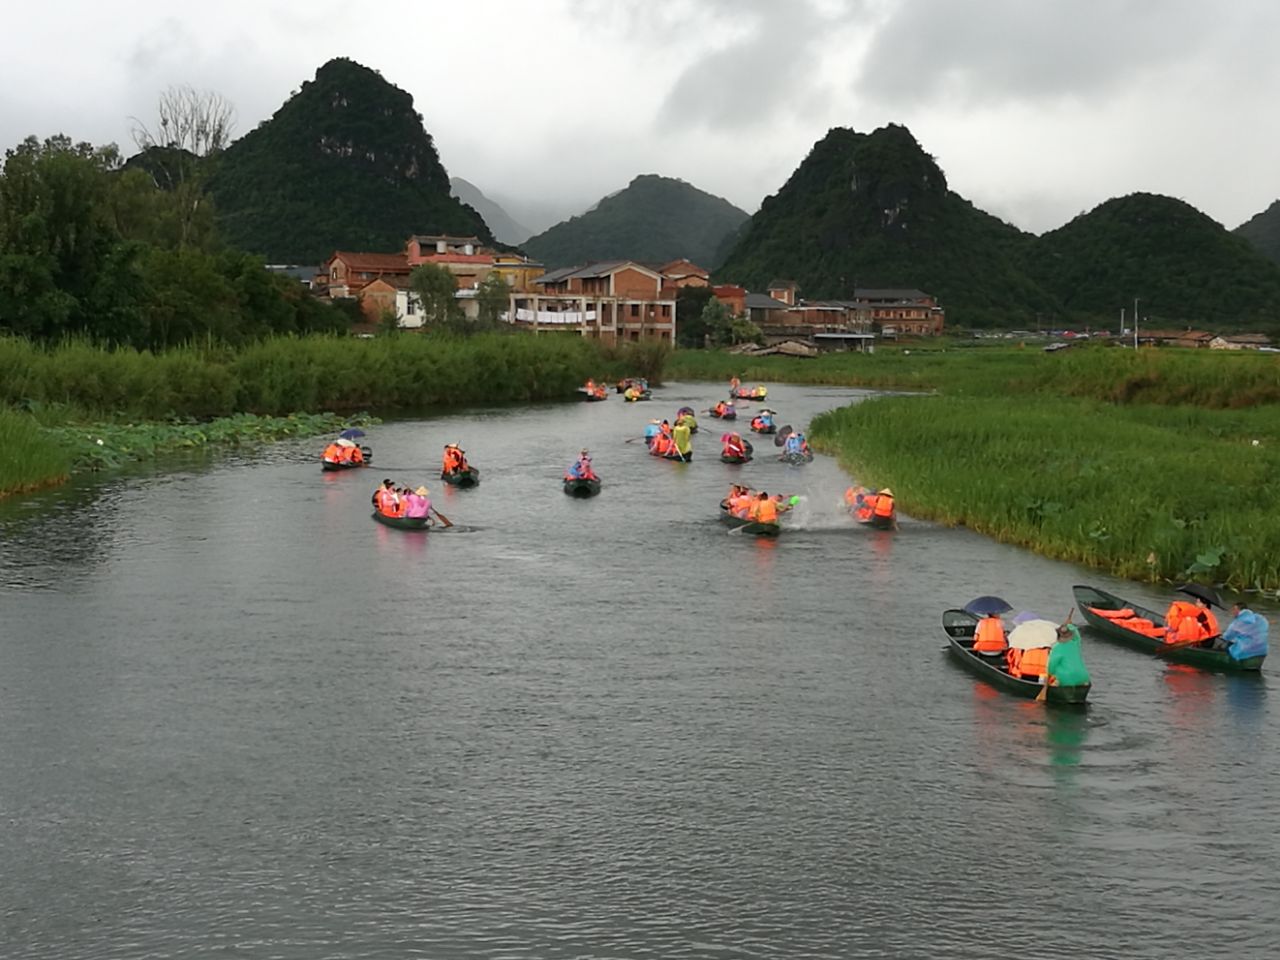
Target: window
(411, 308)
(635, 310)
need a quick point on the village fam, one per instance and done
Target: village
(620, 301)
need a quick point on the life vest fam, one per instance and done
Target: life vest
(884, 506)
(989, 637)
(357, 455)
(1033, 664)
(387, 501)
(1178, 611)
(766, 511)
(333, 453)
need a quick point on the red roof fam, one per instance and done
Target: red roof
(377, 262)
(683, 268)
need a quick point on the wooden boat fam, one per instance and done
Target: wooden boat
(727, 415)
(746, 446)
(403, 523)
(771, 428)
(751, 528)
(581, 487)
(878, 523)
(959, 626)
(462, 479)
(1089, 600)
(795, 459)
(680, 457)
(755, 393)
(330, 467)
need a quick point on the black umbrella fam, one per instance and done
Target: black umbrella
(1207, 594)
(351, 434)
(780, 437)
(981, 606)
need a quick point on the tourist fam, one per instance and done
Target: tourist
(580, 469)
(1246, 634)
(417, 504)
(989, 635)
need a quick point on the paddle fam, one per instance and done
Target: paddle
(1044, 691)
(442, 518)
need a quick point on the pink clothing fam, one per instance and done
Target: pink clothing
(417, 506)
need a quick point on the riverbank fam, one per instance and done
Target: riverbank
(59, 401)
(1154, 465)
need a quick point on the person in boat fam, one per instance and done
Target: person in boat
(580, 469)
(1246, 634)
(454, 459)
(734, 384)
(632, 393)
(688, 420)
(662, 442)
(740, 500)
(1188, 623)
(353, 454)
(1066, 660)
(762, 420)
(719, 408)
(651, 431)
(861, 502)
(333, 453)
(989, 635)
(883, 507)
(733, 446)
(764, 509)
(796, 445)
(682, 439)
(1029, 664)
(387, 500)
(417, 503)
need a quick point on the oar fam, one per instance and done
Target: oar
(442, 518)
(1044, 691)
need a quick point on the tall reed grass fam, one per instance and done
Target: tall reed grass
(1144, 492)
(33, 458)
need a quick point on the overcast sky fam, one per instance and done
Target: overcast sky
(1036, 110)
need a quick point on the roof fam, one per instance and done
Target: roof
(1245, 337)
(728, 290)
(782, 284)
(762, 301)
(600, 268)
(889, 293)
(555, 276)
(384, 262)
(395, 281)
(683, 268)
(436, 238)
(1174, 335)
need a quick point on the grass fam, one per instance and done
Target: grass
(33, 457)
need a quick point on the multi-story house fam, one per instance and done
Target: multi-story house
(613, 300)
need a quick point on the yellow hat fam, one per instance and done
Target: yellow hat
(887, 492)
(422, 491)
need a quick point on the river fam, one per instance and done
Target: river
(240, 719)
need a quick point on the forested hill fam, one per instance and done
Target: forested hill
(344, 164)
(654, 219)
(874, 210)
(1263, 231)
(1184, 267)
(505, 228)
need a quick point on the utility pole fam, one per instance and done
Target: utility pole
(1122, 321)
(1135, 323)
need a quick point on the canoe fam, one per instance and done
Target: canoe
(329, 467)
(879, 523)
(462, 478)
(1089, 599)
(795, 459)
(771, 428)
(403, 523)
(750, 528)
(728, 415)
(726, 458)
(959, 626)
(682, 458)
(581, 487)
(756, 394)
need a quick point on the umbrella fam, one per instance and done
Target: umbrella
(1026, 615)
(344, 442)
(1034, 633)
(351, 434)
(981, 606)
(683, 411)
(1207, 594)
(780, 437)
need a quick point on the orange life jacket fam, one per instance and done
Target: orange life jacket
(1178, 611)
(765, 511)
(883, 506)
(1033, 664)
(387, 502)
(989, 637)
(333, 453)
(357, 455)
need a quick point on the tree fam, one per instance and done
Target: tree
(492, 298)
(436, 289)
(191, 126)
(690, 302)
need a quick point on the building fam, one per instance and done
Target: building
(684, 273)
(612, 301)
(1175, 338)
(905, 312)
(733, 297)
(1240, 341)
(346, 273)
(469, 262)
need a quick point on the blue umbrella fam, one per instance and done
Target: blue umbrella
(351, 434)
(981, 606)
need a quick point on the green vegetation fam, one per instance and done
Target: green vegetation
(87, 247)
(1143, 492)
(1263, 231)
(344, 164)
(874, 210)
(34, 458)
(654, 220)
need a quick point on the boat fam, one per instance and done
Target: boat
(756, 427)
(751, 528)
(1094, 604)
(403, 523)
(468, 477)
(330, 466)
(679, 457)
(959, 626)
(581, 486)
(729, 414)
(636, 396)
(795, 459)
(746, 446)
(754, 393)
(878, 523)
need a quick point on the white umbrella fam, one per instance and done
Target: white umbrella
(1033, 633)
(344, 442)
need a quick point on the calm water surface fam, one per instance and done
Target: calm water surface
(240, 719)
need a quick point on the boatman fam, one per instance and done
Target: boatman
(1066, 662)
(1246, 634)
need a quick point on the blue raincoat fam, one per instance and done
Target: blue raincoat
(1246, 636)
(795, 443)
